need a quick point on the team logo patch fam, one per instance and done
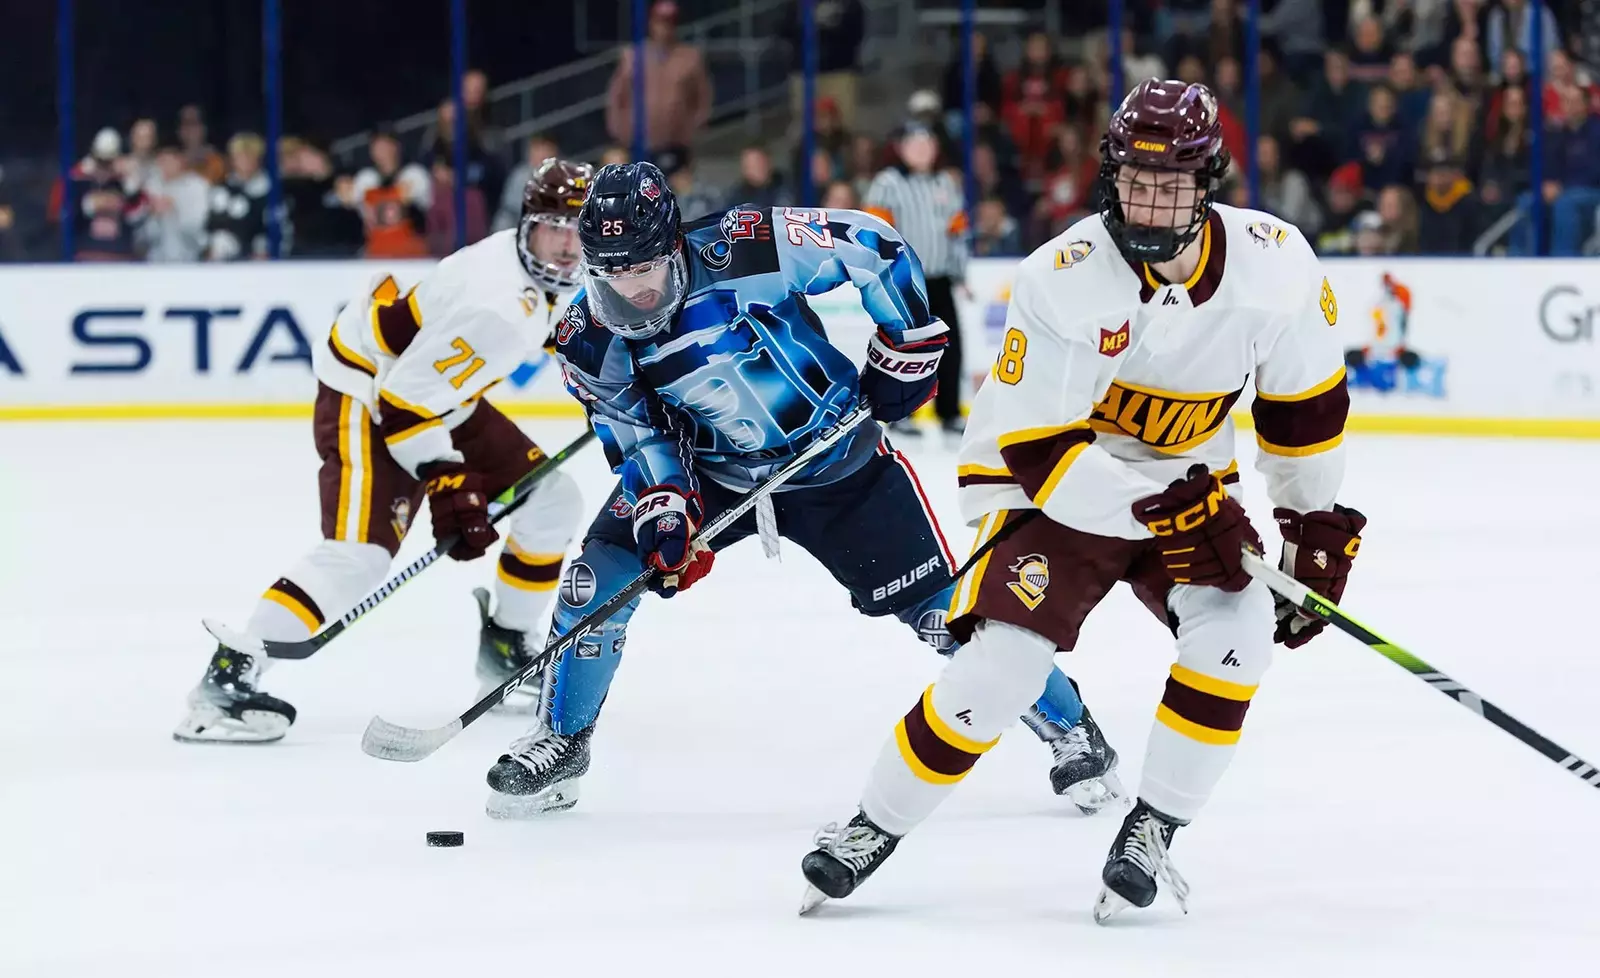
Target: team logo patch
(571, 325)
(1320, 558)
(648, 188)
(577, 585)
(667, 523)
(1073, 253)
(1112, 343)
(587, 650)
(1147, 146)
(400, 517)
(1264, 233)
(621, 508)
(1033, 576)
(931, 629)
(743, 225)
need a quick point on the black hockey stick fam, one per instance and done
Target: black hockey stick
(499, 508)
(1315, 604)
(393, 742)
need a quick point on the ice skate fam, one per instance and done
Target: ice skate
(1137, 861)
(843, 860)
(1084, 766)
(501, 652)
(226, 707)
(539, 773)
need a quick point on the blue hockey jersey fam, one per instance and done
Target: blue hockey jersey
(744, 376)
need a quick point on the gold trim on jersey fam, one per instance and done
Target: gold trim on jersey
(294, 607)
(1301, 451)
(1037, 434)
(966, 595)
(1059, 472)
(1199, 269)
(403, 404)
(345, 352)
(975, 469)
(1306, 395)
(397, 437)
(1169, 422)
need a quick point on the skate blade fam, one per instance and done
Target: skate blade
(1095, 795)
(813, 899)
(1108, 905)
(256, 727)
(557, 798)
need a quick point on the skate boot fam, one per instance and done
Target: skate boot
(1137, 860)
(1084, 765)
(539, 773)
(843, 860)
(226, 707)
(501, 652)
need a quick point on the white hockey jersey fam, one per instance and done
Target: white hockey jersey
(1110, 383)
(420, 354)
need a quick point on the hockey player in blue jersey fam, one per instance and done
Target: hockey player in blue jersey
(702, 369)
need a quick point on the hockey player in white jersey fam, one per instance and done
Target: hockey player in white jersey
(1104, 431)
(399, 417)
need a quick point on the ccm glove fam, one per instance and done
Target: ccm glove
(665, 521)
(1201, 531)
(460, 510)
(902, 374)
(1318, 549)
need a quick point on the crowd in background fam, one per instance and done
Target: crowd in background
(1403, 128)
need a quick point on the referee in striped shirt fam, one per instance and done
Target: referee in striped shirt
(927, 208)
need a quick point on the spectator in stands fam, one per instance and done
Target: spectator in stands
(841, 194)
(989, 181)
(1409, 91)
(1468, 76)
(105, 214)
(11, 244)
(237, 224)
(540, 148)
(694, 198)
(321, 221)
(998, 235)
(1136, 66)
(1343, 204)
(482, 136)
(990, 87)
(1504, 174)
(830, 133)
(1447, 132)
(1280, 96)
(1295, 26)
(1033, 103)
(864, 163)
(139, 166)
(1382, 146)
(1561, 74)
(1448, 220)
(1571, 178)
(1398, 209)
(1068, 192)
(1419, 28)
(677, 87)
(1191, 70)
(1225, 35)
(759, 184)
(442, 216)
(1286, 193)
(1369, 58)
(1510, 26)
(1465, 20)
(484, 170)
(925, 109)
(841, 28)
(1370, 237)
(1513, 69)
(1320, 135)
(180, 203)
(1180, 25)
(394, 199)
(200, 155)
(823, 172)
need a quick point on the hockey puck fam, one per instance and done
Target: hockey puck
(445, 840)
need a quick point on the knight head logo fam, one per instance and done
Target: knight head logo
(1033, 577)
(400, 517)
(1073, 253)
(1320, 558)
(1113, 342)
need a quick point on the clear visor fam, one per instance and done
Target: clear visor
(639, 300)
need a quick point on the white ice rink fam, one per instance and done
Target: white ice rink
(1368, 827)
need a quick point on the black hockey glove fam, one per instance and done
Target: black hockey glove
(902, 374)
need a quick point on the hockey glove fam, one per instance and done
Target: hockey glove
(1200, 531)
(1318, 549)
(460, 510)
(664, 524)
(901, 375)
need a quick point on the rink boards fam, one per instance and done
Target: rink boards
(1502, 347)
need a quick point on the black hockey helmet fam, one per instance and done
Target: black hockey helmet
(1162, 126)
(552, 197)
(633, 269)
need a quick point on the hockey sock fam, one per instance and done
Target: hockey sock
(323, 584)
(530, 564)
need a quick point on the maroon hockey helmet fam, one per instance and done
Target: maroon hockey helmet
(1162, 125)
(553, 196)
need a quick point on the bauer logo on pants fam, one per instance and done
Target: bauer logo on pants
(577, 585)
(1033, 576)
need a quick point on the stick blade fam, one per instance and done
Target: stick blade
(392, 742)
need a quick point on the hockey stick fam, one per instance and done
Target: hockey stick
(499, 508)
(393, 742)
(1313, 603)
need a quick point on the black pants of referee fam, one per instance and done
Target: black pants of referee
(942, 303)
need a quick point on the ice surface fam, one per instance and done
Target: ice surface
(1369, 826)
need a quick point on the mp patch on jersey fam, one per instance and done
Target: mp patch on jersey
(1112, 343)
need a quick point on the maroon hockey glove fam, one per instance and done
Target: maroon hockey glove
(1318, 549)
(1201, 531)
(665, 521)
(460, 508)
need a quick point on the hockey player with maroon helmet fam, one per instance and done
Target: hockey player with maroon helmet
(399, 417)
(1103, 442)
